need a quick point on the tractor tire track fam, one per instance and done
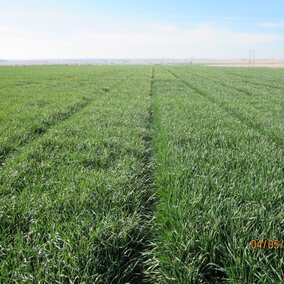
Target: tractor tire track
(255, 83)
(149, 198)
(258, 127)
(240, 90)
(55, 119)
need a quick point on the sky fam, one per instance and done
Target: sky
(216, 29)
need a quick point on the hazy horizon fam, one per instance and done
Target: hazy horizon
(138, 59)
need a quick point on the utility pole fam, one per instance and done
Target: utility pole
(252, 58)
(249, 58)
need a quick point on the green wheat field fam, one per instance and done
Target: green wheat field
(141, 174)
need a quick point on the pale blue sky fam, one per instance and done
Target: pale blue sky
(141, 29)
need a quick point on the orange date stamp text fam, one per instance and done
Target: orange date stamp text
(267, 244)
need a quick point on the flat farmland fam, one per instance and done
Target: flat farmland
(141, 174)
